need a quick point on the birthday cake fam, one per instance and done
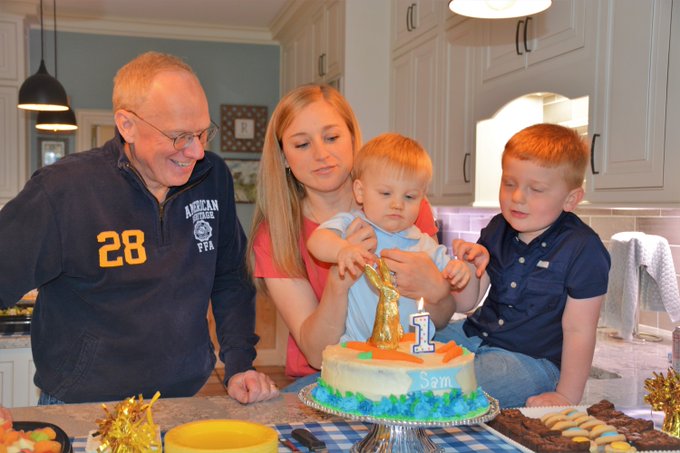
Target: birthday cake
(360, 379)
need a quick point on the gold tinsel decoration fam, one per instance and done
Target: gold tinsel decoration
(664, 395)
(129, 428)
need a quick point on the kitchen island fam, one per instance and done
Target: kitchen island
(78, 419)
(284, 413)
(16, 371)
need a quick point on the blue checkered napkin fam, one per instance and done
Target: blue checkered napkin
(340, 436)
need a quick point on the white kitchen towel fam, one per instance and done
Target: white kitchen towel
(642, 277)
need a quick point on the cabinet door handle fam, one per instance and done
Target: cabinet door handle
(592, 155)
(414, 9)
(409, 11)
(526, 27)
(318, 66)
(323, 64)
(519, 23)
(465, 161)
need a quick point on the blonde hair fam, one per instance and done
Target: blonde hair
(279, 193)
(132, 81)
(393, 152)
(551, 145)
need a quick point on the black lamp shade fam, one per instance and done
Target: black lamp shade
(42, 92)
(64, 120)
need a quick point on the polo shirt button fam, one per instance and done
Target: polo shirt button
(485, 334)
(543, 244)
(521, 260)
(501, 322)
(513, 285)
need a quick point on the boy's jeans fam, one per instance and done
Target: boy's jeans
(300, 383)
(510, 377)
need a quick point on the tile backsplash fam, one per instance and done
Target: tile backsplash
(467, 222)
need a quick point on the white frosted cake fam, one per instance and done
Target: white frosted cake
(359, 379)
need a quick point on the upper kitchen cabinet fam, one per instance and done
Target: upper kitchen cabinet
(433, 87)
(328, 41)
(412, 18)
(516, 44)
(12, 120)
(633, 128)
(414, 96)
(553, 51)
(453, 178)
(312, 44)
(297, 62)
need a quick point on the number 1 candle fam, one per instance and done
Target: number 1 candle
(421, 322)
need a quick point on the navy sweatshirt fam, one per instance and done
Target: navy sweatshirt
(124, 282)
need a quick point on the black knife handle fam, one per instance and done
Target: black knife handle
(309, 440)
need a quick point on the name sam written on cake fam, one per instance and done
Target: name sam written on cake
(433, 380)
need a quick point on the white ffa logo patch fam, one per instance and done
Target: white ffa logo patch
(201, 212)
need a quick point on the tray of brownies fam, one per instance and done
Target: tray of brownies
(596, 428)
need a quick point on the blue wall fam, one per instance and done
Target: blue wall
(230, 73)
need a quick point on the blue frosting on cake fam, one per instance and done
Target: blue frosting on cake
(414, 406)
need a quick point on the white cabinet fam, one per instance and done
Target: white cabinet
(414, 95)
(12, 120)
(16, 378)
(516, 44)
(312, 46)
(296, 60)
(633, 111)
(328, 41)
(412, 18)
(454, 158)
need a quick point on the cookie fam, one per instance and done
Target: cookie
(575, 431)
(609, 437)
(598, 430)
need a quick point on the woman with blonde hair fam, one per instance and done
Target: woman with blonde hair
(304, 179)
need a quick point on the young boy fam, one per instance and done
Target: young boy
(534, 336)
(391, 175)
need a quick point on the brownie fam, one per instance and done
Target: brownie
(656, 440)
(626, 424)
(602, 406)
(559, 444)
(537, 426)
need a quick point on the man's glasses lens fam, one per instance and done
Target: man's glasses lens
(185, 140)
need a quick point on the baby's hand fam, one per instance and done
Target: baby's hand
(352, 259)
(457, 272)
(475, 253)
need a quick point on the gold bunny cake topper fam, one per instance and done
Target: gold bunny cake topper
(387, 330)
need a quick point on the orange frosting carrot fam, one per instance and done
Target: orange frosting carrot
(381, 354)
(446, 347)
(452, 354)
(359, 346)
(408, 336)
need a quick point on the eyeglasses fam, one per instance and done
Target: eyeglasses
(186, 139)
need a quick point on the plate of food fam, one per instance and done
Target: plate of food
(38, 436)
(596, 428)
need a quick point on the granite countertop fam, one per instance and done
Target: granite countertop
(79, 419)
(14, 341)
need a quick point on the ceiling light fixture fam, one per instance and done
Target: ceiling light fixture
(56, 121)
(41, 91)
(498, 9)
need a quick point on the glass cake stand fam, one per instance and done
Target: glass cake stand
(398, 436)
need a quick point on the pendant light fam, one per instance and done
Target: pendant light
(41, 91)
(498, 9)
(56, 121)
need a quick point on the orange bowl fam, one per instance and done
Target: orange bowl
(217, 436)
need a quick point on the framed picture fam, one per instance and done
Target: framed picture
(245, 178)
(52, 149)
(242, 128)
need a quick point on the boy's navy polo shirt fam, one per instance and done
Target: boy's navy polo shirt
(530, 284)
